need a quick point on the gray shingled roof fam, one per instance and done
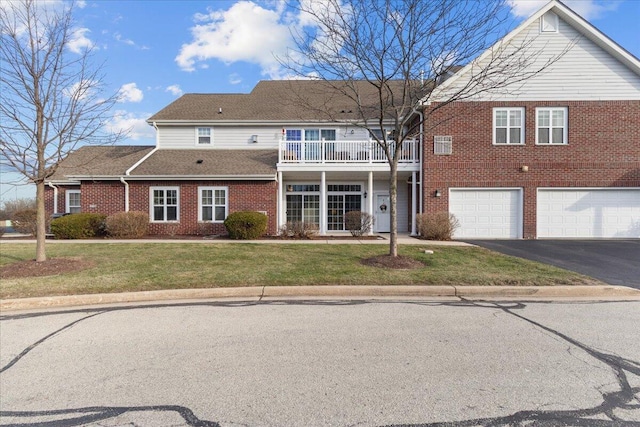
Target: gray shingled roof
(214, 163)
(273, 100)
(100, 161)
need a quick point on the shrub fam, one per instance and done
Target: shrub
(24, 221)
(78, 226)
(358, 223)
(3, 229)
(127, 224)
(298, 230)
(12, 206)
(437, 226)
(246, 225)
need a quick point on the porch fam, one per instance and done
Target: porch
(352, 152)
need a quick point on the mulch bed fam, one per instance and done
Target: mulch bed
(50, 267)
(397, 263)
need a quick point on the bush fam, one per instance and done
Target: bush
(437, 226)
(298, 230)
(78, 226)
(3, 229)
(246, 225)
(358, 223)
(127, 224)
(12, 206)
(24, 221)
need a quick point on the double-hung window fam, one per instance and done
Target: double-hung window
(508, 126)
(551, 125)
(213, 204)
(73, 201)
(203, 136)
(165, 202)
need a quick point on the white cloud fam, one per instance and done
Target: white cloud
(133, 124)
(235, 79)
(244, 32)
(588, 9)
(121, 39)
(174, 89)
(130, 93)
(80, 90)
(78, 41)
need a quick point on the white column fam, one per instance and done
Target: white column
(370, 197)
(280, 205)
(323, 203)
(414, 195)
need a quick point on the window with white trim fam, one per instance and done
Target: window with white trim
(72, 201)
(164, 204)
(213, 204)
(203, 136)
(508, 126)
(551, 125)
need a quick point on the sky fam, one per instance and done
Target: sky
(154, 51)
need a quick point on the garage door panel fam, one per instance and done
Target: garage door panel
(588, 213)
(487, 213)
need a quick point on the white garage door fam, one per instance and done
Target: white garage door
(492, 213)
(589, 213)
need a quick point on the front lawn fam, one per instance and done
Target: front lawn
(113, 267)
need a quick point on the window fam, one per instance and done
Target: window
(164, 204)
(549, 23)
(508, 126)
(212, 204)
(303, 203)
(73, 201)
(551, 125)
(203, 136)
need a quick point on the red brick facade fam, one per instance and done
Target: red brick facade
(108, 197)
(603, 150)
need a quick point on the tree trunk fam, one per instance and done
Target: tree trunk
(41, 228)
(393, 201)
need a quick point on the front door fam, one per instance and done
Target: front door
(382, 206)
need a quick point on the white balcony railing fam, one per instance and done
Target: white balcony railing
(343, 152)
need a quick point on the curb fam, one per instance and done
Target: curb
(260, 292)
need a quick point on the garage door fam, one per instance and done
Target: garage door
(487, 213)
(589, 213)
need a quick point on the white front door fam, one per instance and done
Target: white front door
(382, 209)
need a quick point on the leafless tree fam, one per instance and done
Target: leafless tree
(387, 57)
(51, 98)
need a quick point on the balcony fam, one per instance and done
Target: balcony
(360, 152)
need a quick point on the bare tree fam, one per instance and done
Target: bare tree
(51, 97)
(387, 56)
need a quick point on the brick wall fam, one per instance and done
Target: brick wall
(107, 197)
(603, 150)
(49, 198)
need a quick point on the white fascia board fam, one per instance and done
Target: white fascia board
(327, 167)
(201, 177)
(250, 123)
(62, 182)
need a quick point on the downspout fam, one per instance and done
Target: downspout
(135, 165)
(422, 186)
(55, 197)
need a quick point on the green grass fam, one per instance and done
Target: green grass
(141, 267)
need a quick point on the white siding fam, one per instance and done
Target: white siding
(584, 72)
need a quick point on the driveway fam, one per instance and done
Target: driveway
(616, 262)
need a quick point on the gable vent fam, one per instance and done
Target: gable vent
(442, 145)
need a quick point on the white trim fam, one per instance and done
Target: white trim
(67, 206)
(151, 205)
(509, 127)
(587, 188)
(549, 23)
(136, 164)
(174, 178)
(565, 125)
(197, 132)
(213, 205)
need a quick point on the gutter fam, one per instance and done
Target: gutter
(135, 165)
(55, 197)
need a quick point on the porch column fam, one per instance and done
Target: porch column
(323, 203)
(280, 205)
(370, 197)
(414, 194)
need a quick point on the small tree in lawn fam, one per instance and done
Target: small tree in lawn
(387, 56)
(51, 97)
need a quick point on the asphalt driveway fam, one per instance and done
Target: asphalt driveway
(616, 262)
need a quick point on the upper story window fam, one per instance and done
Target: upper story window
(213, 204)
(203, 136)
(310, 134)
(164, 204)
(508, 125)
(551, 125)
(73, 201)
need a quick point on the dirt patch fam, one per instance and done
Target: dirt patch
(50, 267)
(397, 263)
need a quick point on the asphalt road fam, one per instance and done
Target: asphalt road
(323, 363)
(616, 262)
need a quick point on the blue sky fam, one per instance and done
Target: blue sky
(153, 51)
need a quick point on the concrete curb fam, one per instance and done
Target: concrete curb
(260, 292)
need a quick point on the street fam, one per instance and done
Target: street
(320, 362)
